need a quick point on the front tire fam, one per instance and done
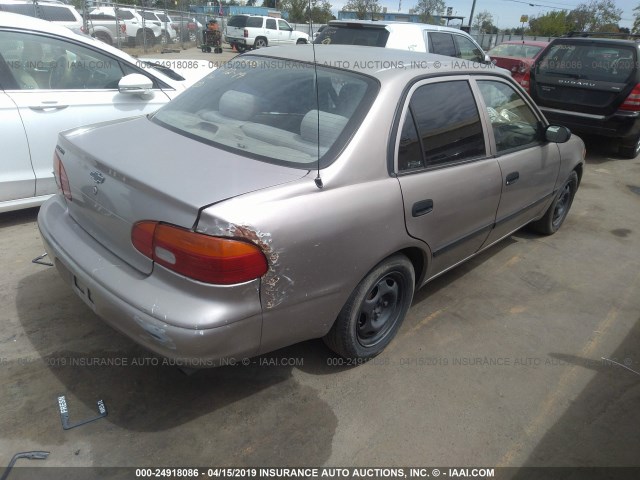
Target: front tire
(375, 310)
(301, 42)
(555, 215)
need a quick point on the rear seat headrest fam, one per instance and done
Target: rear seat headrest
(331, 127)
(239, 105)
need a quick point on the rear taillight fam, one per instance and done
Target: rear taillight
(526, 81)
(123, 28)
(218, 260)
(61, 177)
(632, 102)
(246, 33)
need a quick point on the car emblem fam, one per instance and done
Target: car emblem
(97, 177)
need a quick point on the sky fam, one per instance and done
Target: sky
(506, 13)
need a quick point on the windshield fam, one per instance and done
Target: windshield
(515, 50)
(268, 109)
(609, 63)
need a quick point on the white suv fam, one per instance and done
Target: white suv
(418, 37)
(169, 33)
(251, 31)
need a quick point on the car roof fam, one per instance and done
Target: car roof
(610, 41)
(393, 23)
(373, 61)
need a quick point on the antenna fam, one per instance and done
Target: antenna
(318, 179)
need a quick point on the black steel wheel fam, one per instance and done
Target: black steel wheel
(555, 215)
(374, 311)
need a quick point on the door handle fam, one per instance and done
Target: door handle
(512, 178)
(422, 207)
(47, 108)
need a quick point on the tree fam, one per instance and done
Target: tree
(552, 24)
(427, 8)
(299, 11)
(365, 9)
(320, 11)
(484, 22)
(594, 16)
(636, 20)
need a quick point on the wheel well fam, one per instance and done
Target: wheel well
(579, 170)
(418, 260)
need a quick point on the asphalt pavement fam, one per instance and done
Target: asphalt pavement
(527, 355)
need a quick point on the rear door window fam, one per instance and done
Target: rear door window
(271, 24)
(447, 131)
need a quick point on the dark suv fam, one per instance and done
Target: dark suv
(592, 86)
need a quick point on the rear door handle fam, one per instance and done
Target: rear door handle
(422, 207)
(512, 178)
(47, 107)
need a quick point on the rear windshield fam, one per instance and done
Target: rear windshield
(238, 21)
(353, 34)
(268, 109)
(515, 50)
(609, 63)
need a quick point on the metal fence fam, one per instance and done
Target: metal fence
(108, 22)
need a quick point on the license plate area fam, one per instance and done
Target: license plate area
(83, 292)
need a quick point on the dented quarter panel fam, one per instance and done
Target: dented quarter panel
(320, 242)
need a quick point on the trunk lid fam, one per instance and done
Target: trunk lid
(587, 76)
(514, 64)
(125, 171)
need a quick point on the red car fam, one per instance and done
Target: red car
(517, 56)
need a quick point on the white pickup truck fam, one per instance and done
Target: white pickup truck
(129, 27)
(251, 31)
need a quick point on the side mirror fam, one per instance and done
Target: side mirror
(136, 84)
(487, 59)
(557, 134)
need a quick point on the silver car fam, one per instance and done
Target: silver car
(291, 200)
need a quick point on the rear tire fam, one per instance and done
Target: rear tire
(375, 310)
(555, 215)
(631, 149)
(145, 36)
(103, 37)
(260, 43)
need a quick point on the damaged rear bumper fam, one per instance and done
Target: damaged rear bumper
(195, 324)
